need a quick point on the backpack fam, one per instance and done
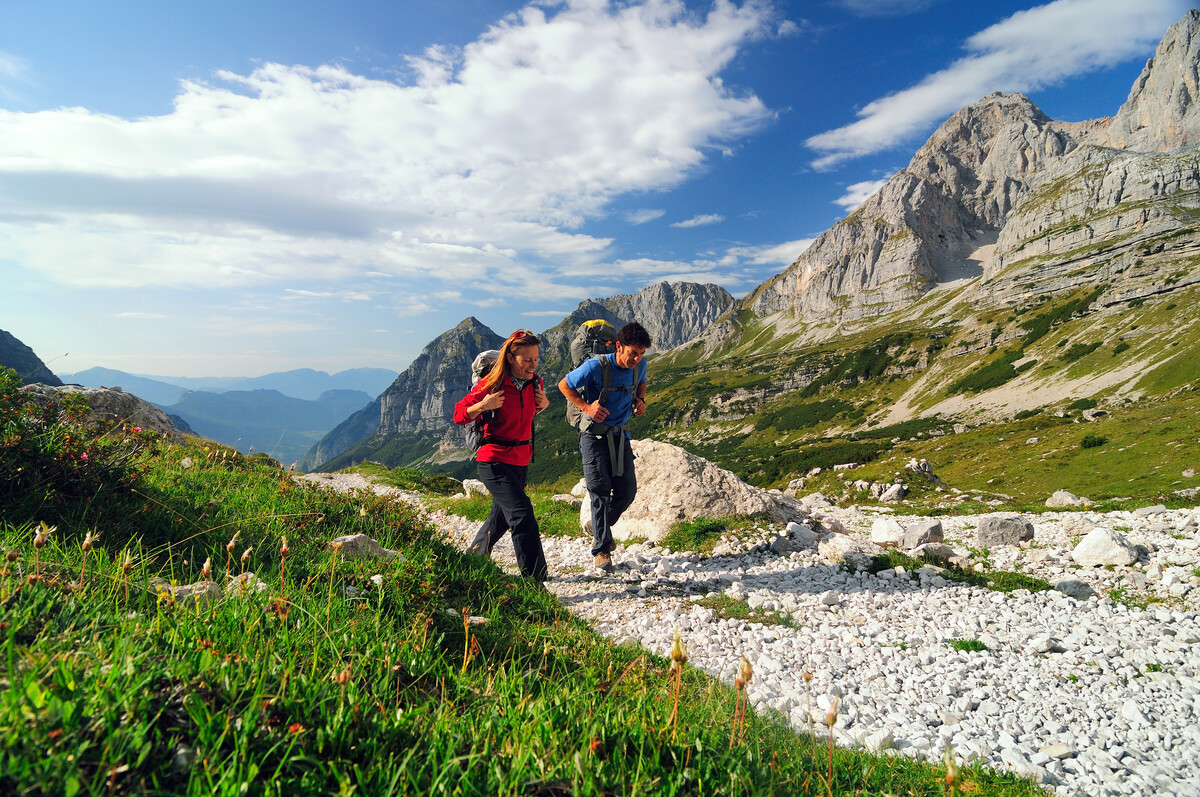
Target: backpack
(594, 338)
(479, 369)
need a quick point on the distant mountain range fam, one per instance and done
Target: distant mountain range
(301, 383)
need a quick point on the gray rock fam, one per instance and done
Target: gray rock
(995, 531)
(112, 405)
(360, 546)
(935, 551)
(569, 500)
(853, 551)
(893, 493)
(1074, 588)
(1150, 511)
(474, 487)
(921, 533)
(1065, 499)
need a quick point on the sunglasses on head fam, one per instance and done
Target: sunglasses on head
(522, 333)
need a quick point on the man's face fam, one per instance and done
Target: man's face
(629, 356)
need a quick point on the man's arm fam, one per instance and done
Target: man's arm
(593, 410)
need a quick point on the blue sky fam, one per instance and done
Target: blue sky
(234, 188)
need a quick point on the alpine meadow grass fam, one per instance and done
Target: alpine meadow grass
(140, 658)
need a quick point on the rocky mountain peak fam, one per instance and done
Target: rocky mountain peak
(29, 367)
(1161, 114)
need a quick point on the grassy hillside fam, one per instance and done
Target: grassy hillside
(771, 405)
(431, 672)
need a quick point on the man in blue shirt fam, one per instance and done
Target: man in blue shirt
(604, 445)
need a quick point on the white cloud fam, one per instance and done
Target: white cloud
(857, 193)
(14, 71)
(644, 215)
(779, 254)
(700, 221)
(496, 153)
(546, 313)
(1032, 49)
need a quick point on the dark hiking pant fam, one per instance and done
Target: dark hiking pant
(610, 495)
(511, 511)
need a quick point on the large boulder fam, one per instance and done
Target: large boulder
(111, 404)
(675, 485)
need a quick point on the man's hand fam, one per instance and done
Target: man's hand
(596, 412)
(639, 406)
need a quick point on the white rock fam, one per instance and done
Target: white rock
(1104, 546)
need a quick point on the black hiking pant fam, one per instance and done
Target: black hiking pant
(511, 511)
(610, 495)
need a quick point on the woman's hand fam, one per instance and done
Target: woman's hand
(539, 399)
(492, 401)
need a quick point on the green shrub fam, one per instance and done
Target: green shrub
(1120, 347)
(1082, 404)
(1092, 441)
(52, 457)
(986, 377)
(1023, 414)
(1079, 350)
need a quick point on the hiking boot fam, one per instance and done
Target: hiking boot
(604, 562)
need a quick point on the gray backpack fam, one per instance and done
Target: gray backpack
(479, 369)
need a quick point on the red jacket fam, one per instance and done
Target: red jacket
(512, 422)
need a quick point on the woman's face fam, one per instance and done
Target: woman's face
(523, 361)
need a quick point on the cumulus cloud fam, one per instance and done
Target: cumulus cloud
(700, 221)
(857, 193)
(1030, 50)
(488, 155)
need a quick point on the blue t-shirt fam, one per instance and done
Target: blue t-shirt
(588, 378)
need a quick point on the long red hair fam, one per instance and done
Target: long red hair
(522, 337)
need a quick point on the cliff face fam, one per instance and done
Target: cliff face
(422, 399)
(29, 367)
(1062, 203)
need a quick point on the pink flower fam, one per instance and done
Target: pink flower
(83, 456)
(137, 428)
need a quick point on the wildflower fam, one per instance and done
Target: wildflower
(128, 564)
(362, 512)
(283, 549)
(83, 455)
(745, 670)
(832, 715)
(137, 428)
(89, 540)
(341, 678)
(206, 570)
(232, 541)
(42, 537)
(679, 654)
(246, 556)
(951, 769)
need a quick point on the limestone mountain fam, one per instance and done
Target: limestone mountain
(1002, 192)
(414, 414)
(1018, 266)
(29, 367)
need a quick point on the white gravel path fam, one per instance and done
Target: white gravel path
(1089, 697)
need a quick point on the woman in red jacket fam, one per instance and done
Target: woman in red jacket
(510, 394)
